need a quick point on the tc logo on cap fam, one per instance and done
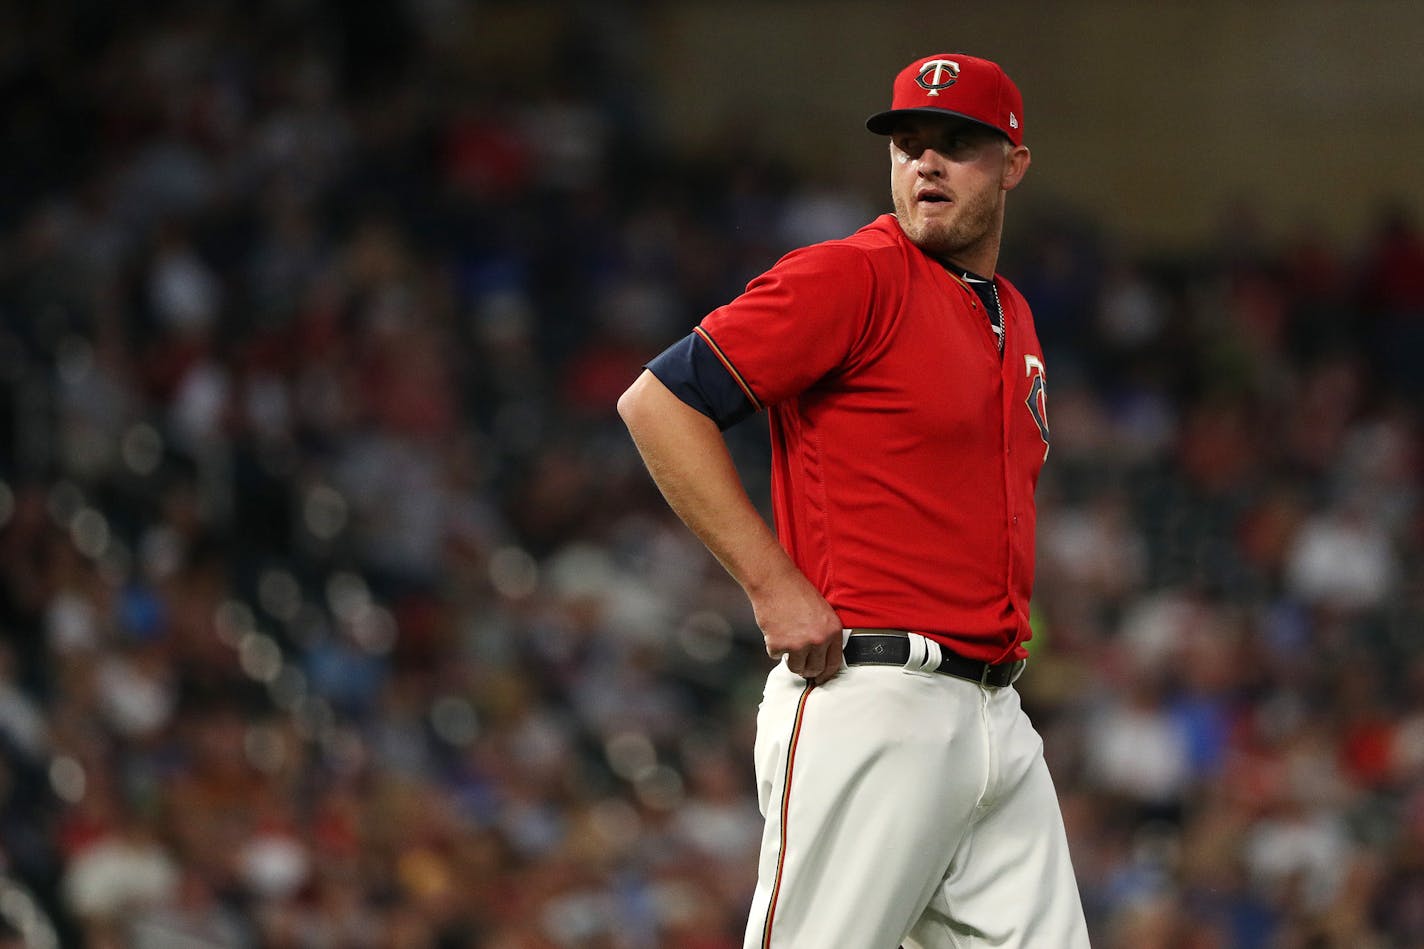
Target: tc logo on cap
(937, 74)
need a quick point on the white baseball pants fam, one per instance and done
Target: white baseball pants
(906, 808)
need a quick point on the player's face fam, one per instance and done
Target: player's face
(948, 179)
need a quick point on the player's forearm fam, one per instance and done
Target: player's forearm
(688, 460)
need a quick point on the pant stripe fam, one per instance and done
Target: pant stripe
(785, 809)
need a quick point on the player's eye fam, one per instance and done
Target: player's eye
(910, 148)
(953, 144)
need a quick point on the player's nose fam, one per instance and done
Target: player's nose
(930, 164)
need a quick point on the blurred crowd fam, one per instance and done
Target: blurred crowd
(336, 610)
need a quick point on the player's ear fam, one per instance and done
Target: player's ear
(1016, 163)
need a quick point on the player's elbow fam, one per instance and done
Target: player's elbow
(649, 407)
(632, 403)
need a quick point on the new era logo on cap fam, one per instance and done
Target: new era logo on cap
(959, 85)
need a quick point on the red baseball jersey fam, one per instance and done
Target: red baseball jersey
(905, 449)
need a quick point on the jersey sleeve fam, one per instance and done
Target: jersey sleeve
(796, 323)
(696, 375)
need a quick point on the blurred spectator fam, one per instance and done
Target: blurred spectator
(120, 875)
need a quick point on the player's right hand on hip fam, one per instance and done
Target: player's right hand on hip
(798, 623)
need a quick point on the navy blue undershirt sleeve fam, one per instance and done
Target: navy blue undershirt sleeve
(694, 374)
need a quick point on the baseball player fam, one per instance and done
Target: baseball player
(905, 792)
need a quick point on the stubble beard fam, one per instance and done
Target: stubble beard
(976, 222)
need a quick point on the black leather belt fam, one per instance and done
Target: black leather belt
(893, 649)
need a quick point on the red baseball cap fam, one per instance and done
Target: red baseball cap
(955, 84)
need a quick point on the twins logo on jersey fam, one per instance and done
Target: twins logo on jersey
(1037, 400)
